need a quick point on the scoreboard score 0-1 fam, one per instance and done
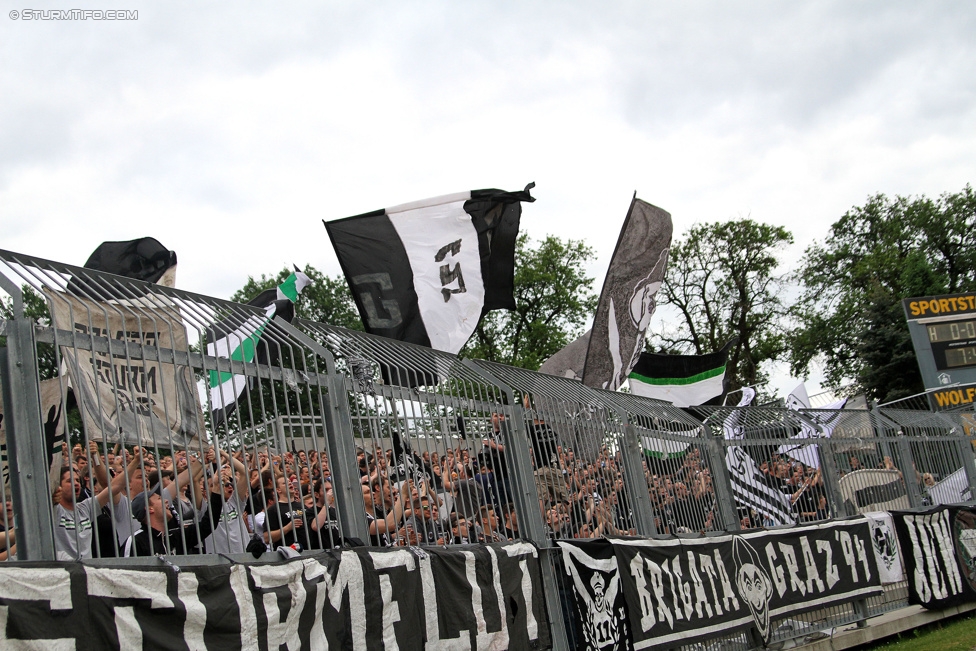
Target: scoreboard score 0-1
(943, 330)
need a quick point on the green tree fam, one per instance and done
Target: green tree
(554, 298)
(327, 300)
(35, 308)
(721, 281)
(850, 314)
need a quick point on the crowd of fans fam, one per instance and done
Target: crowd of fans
(130, 503)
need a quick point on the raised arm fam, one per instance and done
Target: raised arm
(98, 468)
(190, 476)
(120, 481)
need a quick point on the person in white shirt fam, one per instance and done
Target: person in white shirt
(230, 535)
(73, 520)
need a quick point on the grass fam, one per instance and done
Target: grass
(958, 634)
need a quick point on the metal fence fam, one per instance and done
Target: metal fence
(262, 433)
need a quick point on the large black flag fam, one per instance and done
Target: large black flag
(604, 357)
(142, 259)
(628, 299)
(425, 272)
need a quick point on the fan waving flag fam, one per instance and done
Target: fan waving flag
(240, 342)
(425, 272)
(682, 380)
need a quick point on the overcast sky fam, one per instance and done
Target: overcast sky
(229, 130)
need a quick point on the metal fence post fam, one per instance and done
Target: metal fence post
(831, 479)
(526, 496)
(635, 483)
(721, 481)
(27, 452)
(905, 455)
(340, 442)
(965, 448)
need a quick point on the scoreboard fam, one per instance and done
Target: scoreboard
(943, 330)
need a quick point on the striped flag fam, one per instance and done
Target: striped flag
(749, 485)
(240, 342)
(425, 272)
(682, 380)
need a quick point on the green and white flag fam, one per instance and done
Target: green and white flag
(682, 380)
(665, 448)
(239, 340)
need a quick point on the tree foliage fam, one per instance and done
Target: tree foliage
(850, 314)
(554, 298)
(35, 308)
(721, 281)
(327, 300)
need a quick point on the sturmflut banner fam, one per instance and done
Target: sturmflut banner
(478, 597)
(123, 398)
(665, 593)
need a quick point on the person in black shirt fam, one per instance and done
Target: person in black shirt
(322, 502)
(288, 522)
(285, 518)
(157, 536)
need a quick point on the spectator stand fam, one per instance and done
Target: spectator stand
(323, 433)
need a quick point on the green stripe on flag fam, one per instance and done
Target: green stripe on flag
(243, 353)
(680, 381)
(288, 288)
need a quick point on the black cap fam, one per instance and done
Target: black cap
(139, 502)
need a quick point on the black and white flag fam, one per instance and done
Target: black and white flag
(425, 272)
(884, 540)
(749, 485)
(813, 424)
(471, 597)
(685, 590)
(601, 618)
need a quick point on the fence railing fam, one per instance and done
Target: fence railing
(263, 432)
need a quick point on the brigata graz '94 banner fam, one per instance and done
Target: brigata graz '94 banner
(939, 549)
(478, 597)
(644, 594)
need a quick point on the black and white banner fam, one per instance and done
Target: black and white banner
(939, 550)
(679, 591)
(142, 401)
(885, 543)
(478, 597)
(424, 272)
